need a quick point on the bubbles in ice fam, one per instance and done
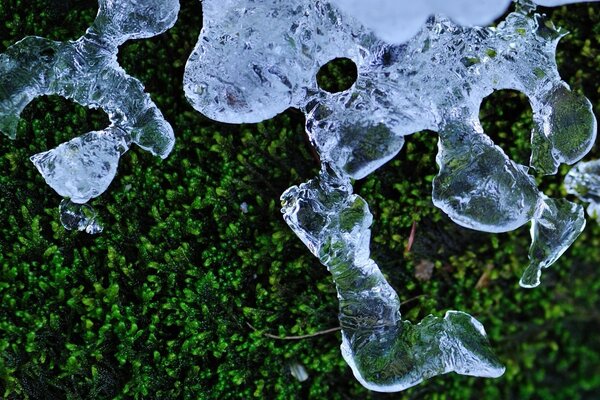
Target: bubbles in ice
(86, 70)
(253, 60)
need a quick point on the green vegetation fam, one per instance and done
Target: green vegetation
(158, 305)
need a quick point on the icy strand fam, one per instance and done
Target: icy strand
(86, 70)
(385, 353)
(253, 60)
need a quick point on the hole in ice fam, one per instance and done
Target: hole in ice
(337, 75)
(52, 120)
(507, 118)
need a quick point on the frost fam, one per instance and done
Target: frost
(86, 71)
(584, 182)
(253, 60)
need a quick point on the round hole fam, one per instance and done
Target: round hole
(337, 75)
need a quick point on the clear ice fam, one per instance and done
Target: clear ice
(385, 353)
(584, 182)
(81, 217)
(253, 60)
(86, 71)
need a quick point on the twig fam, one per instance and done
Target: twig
(411, 237)
(337, 328)
(412, 299)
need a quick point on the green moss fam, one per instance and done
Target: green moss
(158, 305)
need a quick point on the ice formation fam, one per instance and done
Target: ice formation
(253, 60)
(396, 21)
(385, 353)
(584, 182)
(86, 70)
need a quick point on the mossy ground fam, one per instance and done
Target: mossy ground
(158, 305)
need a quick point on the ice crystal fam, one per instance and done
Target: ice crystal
(86, 70)
(253, 60)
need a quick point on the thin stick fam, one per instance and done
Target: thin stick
(296, 337)
(310, 335)
(411, 237)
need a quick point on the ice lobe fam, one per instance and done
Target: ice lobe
(91, 161)
(79, 217)
(268, 55)
(584, 182)
(385, 353)
(86, 70)
(396, 21)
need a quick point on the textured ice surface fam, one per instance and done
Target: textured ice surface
(384, 352)
(584, 181)
(396, 21)
(86, 71)
(253, 60)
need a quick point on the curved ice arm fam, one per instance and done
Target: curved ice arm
(87, 72)
(385, 353)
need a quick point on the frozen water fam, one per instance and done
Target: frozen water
(396, 21)
(253, 60)
(435, 81)
(584, 182)
(79, 217)
(82, 168)
(554, 229)
(86, 70)
(385, 353)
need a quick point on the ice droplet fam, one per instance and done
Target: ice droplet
(81, 217)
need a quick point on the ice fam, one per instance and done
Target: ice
(253, 60)
(86, 71)
(584, 182)
(396, 21)
(81, 217)
(552, 232)
(82, 168)
(251, 71)
(385, 353)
